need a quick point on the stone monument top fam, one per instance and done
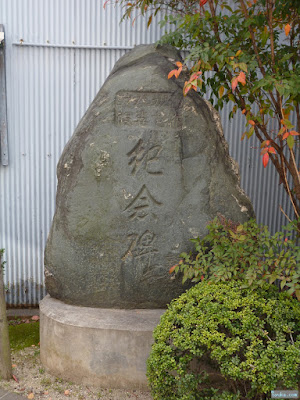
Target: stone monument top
(144, 171)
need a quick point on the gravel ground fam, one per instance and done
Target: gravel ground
(33, 382)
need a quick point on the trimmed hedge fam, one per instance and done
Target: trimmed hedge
(224, 341)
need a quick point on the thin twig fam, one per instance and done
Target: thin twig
(289, 192)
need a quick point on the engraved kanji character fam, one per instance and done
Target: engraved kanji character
(140, 156)
(141, 205)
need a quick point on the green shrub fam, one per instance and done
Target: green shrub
(222, 341)
(246, 252)
(1, 256)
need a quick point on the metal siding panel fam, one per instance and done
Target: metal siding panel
(48, 91)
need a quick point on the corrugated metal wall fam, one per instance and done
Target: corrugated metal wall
(58, 54)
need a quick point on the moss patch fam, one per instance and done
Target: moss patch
(24, 335)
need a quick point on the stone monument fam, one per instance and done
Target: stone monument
(144, 172)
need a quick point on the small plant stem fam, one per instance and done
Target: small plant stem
(261, 66)
(289, 192)
(287, 217)
(213, 13)
(298, 117)
(5, 358)
(270, 6)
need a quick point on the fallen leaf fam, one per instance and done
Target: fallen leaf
(30, 396)
(67, 392)
(15, 378)
(46, 392)
(35, 318)
(14, 366)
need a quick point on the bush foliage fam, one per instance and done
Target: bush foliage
(224, 341)
(246, 252)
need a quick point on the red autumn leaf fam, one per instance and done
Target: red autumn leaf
(171, 73)
(282, 130)
(172, 269)
(177, 73)
(287, 29)
(202, 2)
(265, 159)
(35, 318)
(291, 133)
(271, 150)
(251, 122)
(242, 78)
(244, 110)
(195, 76)
(186, 89)
(286, 135)
(234, 83)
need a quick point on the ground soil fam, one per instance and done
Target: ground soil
(33, 382)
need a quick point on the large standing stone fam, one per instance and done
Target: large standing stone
(145, 170)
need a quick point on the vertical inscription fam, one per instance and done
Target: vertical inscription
(154, 111)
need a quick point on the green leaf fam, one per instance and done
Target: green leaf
(288, 124)
(250, 132)
(290, 141)
(243, 67)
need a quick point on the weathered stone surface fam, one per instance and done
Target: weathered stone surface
(145, 170)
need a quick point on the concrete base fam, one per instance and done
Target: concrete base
(102, 347)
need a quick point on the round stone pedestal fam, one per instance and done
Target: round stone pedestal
(101, 347)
